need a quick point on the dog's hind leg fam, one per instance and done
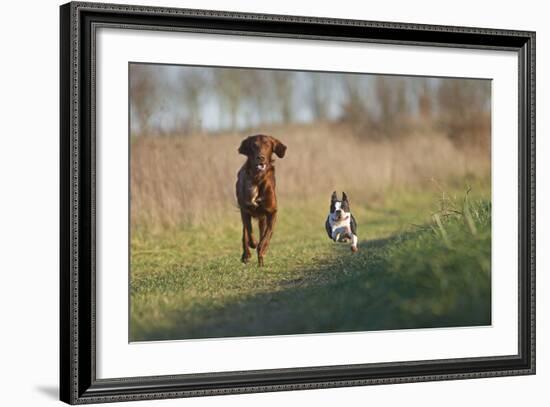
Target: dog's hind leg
(262, 224)
(269, 223)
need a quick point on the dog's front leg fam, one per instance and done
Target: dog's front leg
(353, 242)
(350, 235)
(266, 234)
(247, 235)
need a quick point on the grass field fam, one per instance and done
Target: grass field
(177, 181)
(423, 261)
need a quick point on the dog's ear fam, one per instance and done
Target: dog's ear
(245, 146)
(345, 197)
(278, 147)
(334, 197)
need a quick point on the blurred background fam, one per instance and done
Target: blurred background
(366, 134)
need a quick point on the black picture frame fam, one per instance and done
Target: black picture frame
(78, 382)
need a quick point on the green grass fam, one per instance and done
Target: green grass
(423, 261)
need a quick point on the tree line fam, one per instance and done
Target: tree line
(185, 100)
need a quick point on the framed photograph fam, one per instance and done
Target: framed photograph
(255, 203)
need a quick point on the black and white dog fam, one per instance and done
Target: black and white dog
(341, 225)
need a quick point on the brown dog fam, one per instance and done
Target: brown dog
(256, 191)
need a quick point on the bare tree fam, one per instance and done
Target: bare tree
(230, 84)
(391, 95)
(384, 99)
(283, 91)
(256, 99)
(401, 108)
(463, 97)
(143, 95)
(355, 110)
(319, 95)
(464, 110)
(425, 96)
(354, 106)
(191, 87)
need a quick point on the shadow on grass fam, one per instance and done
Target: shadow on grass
(346, 293)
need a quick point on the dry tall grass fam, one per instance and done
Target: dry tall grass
(191, 180)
